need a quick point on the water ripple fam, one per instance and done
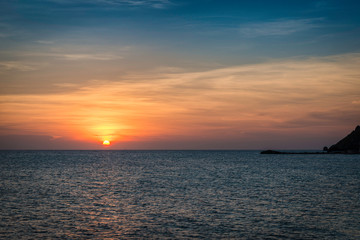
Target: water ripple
(178, 195)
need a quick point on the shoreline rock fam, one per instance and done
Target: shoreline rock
(349, 144)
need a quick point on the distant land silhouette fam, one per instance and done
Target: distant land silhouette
(348, 145)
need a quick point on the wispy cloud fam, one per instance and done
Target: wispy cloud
(300, 95)
(113, 3)
(74, 56)
(100, 57)
(16, 65)
(148, 3)
(5, 35)
(8, 30)
(279, 28)
(44, 42)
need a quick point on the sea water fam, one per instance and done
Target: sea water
(178, 195)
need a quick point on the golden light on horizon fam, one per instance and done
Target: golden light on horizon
(221, 104)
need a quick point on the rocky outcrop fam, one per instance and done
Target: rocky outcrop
(349, 144)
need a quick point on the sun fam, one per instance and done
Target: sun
(106, 142)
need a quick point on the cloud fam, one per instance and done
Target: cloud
(8, 30)
(279, 27)
(48, 52)
(74, 56)
(44, 42)
(320, 118)
(100, 57)
(226, 104)
(159, 4)
(5, 35)
(148, 3)
(16, 65)
(66, 85)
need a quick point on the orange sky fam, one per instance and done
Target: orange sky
(287, 103)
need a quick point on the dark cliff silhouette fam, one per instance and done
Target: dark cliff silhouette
(349, 144)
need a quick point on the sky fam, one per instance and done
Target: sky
(171, 74)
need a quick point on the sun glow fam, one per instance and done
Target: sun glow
(106, 142)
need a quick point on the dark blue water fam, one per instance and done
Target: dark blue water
(178, 195)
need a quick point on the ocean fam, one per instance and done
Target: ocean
(178, 195)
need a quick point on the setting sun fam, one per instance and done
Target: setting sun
(106, 142)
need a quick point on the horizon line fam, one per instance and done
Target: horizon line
(157, 149)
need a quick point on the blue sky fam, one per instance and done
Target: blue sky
(192, 35)
(255, 70)
(226, 31)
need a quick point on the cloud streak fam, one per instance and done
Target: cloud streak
(280, 27)
(159, 4)
(15, 66)
(72, 56)
(223, 104)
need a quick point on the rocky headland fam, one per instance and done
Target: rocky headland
(348, 145)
